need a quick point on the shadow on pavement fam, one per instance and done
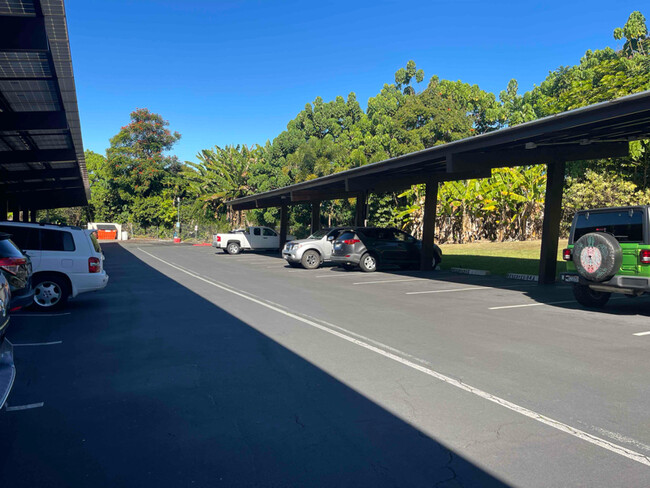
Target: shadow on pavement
(156, 386)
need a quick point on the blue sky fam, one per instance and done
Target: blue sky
(229, 72)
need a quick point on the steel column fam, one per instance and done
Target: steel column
(3, 210)
(284, 210)
(551, 224)
(361, 209)
(315, 216)
(32, 215)
(428, 225)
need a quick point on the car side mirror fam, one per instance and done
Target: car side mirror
(330, 238)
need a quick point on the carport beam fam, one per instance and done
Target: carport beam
(315, 216)
(551, 224)
(428, 225)
(284, 209)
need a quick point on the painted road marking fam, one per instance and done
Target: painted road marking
(386, 281)
(41, 314)
(24, 407)
(448, 291)
(532, 305)
(592, 439)
(642, 333)
(38, 344)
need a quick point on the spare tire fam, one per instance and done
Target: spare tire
(597, 256)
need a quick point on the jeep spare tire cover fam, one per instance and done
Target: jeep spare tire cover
(597, 256)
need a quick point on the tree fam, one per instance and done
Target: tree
(635, 33)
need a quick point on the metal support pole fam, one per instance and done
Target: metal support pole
(284, 211)
(551, 224)
(315, 216)
(361, 209)
(428, 225)
(3, 210)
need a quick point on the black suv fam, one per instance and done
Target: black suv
(371, 247)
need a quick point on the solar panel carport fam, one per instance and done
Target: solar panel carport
(598, 131)
(42, 162)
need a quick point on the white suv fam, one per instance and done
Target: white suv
(66, 260)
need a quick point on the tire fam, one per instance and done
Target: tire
(368, 263)
(590, 298)
(436, 262)
(310, 259)
(51, 292)
(597, 256)
(233, 248)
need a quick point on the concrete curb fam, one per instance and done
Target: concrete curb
(478, 272)
(521, 276)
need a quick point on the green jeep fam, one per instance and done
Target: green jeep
(608, 252)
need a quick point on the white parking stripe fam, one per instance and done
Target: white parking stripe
(386, 281)
(592, 439)
(642, 333)
(448, 291)
(38, 344)
(24, 407)
(531, 305)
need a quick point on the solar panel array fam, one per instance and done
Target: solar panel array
(34, 84)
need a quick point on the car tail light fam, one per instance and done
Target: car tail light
(644, 256)
(218, 238)
(566, 254)
(15, 309)
(94, 265)
(12, 264)
(349, 242)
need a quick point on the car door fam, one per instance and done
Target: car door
(409, 250)
(255, 238)
(328, 243)
(58, 252)
(270, 239)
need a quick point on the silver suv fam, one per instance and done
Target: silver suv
(312, 252)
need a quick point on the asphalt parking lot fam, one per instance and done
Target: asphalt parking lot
(196, 368)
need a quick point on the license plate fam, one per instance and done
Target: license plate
(571, 278)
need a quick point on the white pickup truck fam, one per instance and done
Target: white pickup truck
(254, 238)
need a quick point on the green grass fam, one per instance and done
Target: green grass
(499, 258)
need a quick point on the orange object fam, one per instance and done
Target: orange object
(107, 234)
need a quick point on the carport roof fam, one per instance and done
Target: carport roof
(597, 131)
(42, 161)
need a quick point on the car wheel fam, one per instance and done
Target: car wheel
(50, 292)
(590, 298)
(310, 259)
(368, 263)
(233, 248)
(436, 262)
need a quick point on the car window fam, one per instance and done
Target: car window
(319, 234)
(372, 233)
(24, 237)
(56, 240)
(268, 232)
(625, 225)
(9, 250)
(403, 236)
(256, 231)
(96, 246)
(346, 235)
(334, 234)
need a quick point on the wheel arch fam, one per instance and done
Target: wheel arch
(43, 274)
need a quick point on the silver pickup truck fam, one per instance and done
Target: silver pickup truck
(310, 253)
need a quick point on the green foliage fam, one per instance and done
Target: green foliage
(635, 33)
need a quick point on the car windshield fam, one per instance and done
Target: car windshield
(319, 234)
(625, 225)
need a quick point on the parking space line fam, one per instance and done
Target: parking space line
(555, 424)
(386, 281)
(24, 407)
(448, 291)
(41, 314)
(531, 305)
(639, 334)
(53, 343)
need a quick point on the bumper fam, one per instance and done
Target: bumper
(22, 301)
(353, 259)
(292, 256)
(82, 283)
(620, 283)
(7, 370)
